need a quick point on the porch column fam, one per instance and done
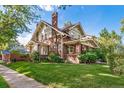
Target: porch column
(48, 49)
(39, 48)
(61, 46)
(78, 48)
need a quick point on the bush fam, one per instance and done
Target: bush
(88, 57)
(116, 63)
(100, 54)
(111, 61)
(13, 60)
(119, 70)
(35, 57)
(119, 61)
(55, 58)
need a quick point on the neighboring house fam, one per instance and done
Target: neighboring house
(6, 55)
(68, 42)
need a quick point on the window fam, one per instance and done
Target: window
(44, 50)
(71, 49)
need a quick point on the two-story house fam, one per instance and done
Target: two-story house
(68, 41)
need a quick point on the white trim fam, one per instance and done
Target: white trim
(69, 48)
(54, 28)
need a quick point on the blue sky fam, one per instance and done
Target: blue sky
(92, 18)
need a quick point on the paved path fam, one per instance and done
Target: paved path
(16, 80)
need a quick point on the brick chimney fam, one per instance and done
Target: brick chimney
(55, 19)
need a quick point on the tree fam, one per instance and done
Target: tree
(122, 27)
(15, 20)
(108, 42)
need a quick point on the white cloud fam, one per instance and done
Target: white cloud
(24, 39)
(47, 7)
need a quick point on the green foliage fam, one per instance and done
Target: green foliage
(35, 56)
(3, 83)
(119, 70)
(55, 58)
(119, 60)
(122, 26)
(116, 62)
(108, 42)
(17, 52)
(111, 62)
(14, 20)
(88, 57)
(100, 54)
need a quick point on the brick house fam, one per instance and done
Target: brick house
(68, 41)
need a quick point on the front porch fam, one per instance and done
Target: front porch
(73, 48)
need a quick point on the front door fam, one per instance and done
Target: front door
(44, 50)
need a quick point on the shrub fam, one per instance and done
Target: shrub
(119, 61)
(111, 61)
(55, 58)
(116, 63)
(13, 60)
(35, 56)
(119, 70)
(88, 57)
(100, 54)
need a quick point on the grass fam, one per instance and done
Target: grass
(1, 61)
(3, 83)
(70, 75)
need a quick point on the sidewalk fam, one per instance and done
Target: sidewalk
(16, 80)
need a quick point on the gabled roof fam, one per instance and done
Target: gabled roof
(77, 25)
(56, 29)
(63, 31)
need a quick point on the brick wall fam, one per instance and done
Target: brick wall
(19, 57)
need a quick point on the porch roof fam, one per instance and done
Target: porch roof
(86, 42)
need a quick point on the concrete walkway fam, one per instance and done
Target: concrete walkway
(16, 80)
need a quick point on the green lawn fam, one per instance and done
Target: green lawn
(3, 83)
(70, 75)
